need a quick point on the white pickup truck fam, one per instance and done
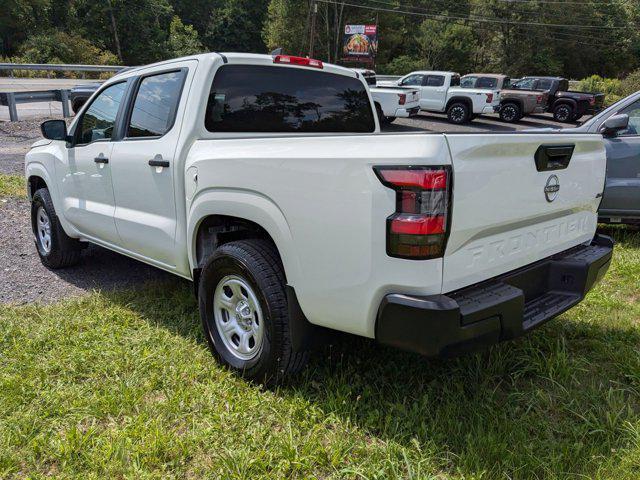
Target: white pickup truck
(391, 102)
(441, 92)
(266, 182)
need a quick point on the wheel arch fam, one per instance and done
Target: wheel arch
(466, 100)
(565, 101)
(217, 217)
(517, 101)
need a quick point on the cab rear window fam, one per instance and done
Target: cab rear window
(262, 98)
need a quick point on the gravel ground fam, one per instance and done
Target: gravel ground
(23, 279)
(15, 140)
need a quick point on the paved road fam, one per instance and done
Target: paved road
(29, 111)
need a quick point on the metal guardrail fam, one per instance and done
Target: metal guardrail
(59, 67)
(11, 99)
(388, 78)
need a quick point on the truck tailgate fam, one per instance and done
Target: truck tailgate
(509, 210)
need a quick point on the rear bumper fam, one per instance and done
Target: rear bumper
(498, 309)
(407, 112)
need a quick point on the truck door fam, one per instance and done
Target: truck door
(433, 93)
(622, 191)
(84, 174)
(413, 80)
(144, 164)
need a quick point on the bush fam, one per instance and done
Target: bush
(611, 87)
(402, 65)
(631, 84)
(60, 47)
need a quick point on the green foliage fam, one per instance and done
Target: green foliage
(521, 38)
(183, 39)
(445, 46)
(60, 47)
(611, 87)
(283, 27)
(237, 26)
(630, 84)
(402, 65)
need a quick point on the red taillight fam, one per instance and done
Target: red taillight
(402, 98)
(539, 99)
(489, 97)
(302, 61)
(418, 228)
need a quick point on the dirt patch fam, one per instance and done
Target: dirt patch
(23, 279)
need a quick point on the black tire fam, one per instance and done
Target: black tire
(257, 263)
(381, 118)
(458, 113)
(510, 112)
(563, 113)
(60, 250)
(76, 105)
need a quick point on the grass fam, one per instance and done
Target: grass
(12, 186)
(122, 385)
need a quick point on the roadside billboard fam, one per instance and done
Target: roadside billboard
(360, 42)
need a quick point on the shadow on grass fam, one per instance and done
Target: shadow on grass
(562, 401)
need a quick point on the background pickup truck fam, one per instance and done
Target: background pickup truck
(441, 92)
(514, 103)
(391, 102)
(265, 181)
(566, 105)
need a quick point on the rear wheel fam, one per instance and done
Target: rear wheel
(563, 113)
(458, 113)
(510, 112)
(55, 248)
(244, 311)
(381, 118)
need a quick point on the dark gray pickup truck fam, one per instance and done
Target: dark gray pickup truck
(621, 199)
(566, 105)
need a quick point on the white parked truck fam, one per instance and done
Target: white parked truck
(441, 92)
(266, 182)
(391, 102)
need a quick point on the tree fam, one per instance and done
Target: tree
(183, 39)
(237, 26)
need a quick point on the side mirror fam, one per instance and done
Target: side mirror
(614, 124)
(54, 130)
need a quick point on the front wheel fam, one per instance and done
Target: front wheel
(55, 248)
(244, 311)
(510, 112)
(458, 113)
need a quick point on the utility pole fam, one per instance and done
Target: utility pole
(312, 33)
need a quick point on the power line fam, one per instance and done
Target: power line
(467, 18)
(460, 10)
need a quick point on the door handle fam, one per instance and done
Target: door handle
(101, 160)
(158, 163)
(553, 157)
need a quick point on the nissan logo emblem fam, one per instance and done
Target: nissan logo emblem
(552, 188)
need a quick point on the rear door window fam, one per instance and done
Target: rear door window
(261, 98)
(154, 109)
(487, 82)
(434, 81)
(413, 80)
(468, 82)
(544, 84)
